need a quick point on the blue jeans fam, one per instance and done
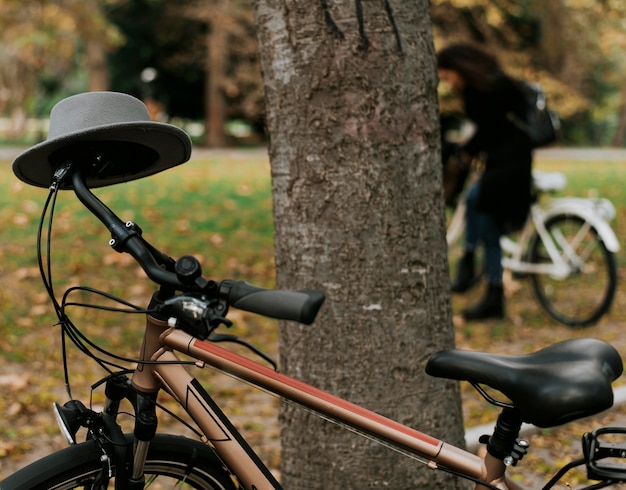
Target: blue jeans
(482, 228)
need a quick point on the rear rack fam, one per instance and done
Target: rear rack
(605, 453)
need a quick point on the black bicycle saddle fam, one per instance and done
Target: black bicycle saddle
(560, 383)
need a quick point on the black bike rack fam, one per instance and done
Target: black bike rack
(605, 460)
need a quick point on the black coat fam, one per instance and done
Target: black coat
(506, 182)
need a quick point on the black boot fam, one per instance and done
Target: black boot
(491, 306)
(466, 277)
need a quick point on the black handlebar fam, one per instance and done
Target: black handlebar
(300, 306)
(126, 239)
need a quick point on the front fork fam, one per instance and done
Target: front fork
(118, 455)
(141, 391)
(117, 389)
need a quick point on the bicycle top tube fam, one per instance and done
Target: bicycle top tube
(560, 383)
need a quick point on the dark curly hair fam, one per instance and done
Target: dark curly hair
(478, 67)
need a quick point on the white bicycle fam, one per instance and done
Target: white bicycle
(567, 249)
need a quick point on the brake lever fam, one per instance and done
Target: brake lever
(198, 316)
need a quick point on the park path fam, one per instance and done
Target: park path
(579, 154)
(582, 154)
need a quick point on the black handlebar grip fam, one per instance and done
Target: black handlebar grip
(300, 306)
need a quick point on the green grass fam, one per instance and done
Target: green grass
(218, 208)
(215, 207)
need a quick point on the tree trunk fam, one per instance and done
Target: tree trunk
(619, 138)
(215, 111)
(358, 207)
(91, 25)
(97, 67)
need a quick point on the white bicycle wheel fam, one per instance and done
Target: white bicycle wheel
(583, 295)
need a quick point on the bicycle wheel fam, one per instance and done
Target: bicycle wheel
(585, 292)
(172, 462)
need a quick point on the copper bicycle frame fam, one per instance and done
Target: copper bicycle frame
(161, 341)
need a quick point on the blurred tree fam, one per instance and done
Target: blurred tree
(233, 86)
(573, 47)
(50, 49)
(603, 23)
(159, 61)
(202, 54)
(40, 41)
(219, 21)
(98, 37)
(582, 47)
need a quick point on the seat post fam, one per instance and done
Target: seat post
(504, 443)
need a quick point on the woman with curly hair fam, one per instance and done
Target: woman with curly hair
(499, 201)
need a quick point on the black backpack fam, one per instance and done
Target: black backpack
(541, 124)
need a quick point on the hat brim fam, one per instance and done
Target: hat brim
(170, 145)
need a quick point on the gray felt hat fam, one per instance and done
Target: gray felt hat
(109, 136)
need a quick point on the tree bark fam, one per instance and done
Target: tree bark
(358, 206)
(92, 26)
(96, 63)
(215, 110)
(619, 138)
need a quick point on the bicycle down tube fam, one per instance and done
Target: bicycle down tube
(234, 450)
